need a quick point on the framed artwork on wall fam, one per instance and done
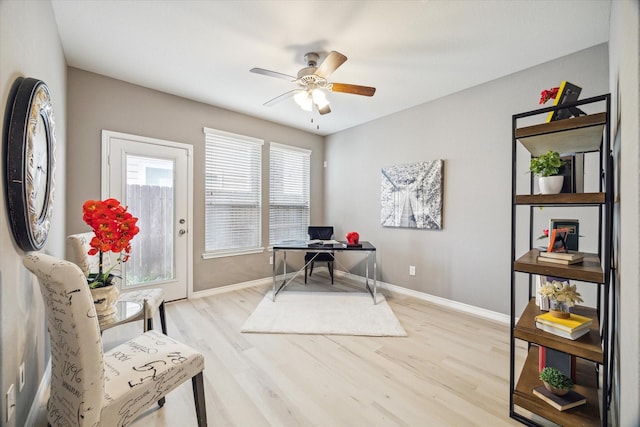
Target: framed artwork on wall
(411, 195)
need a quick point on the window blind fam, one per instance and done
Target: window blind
(289, 170)
(233, 170)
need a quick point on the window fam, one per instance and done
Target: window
(288, 193)
(233, 169)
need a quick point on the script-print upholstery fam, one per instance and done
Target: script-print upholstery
(92, 388)
(154, 297)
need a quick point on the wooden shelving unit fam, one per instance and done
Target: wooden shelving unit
(586, 347)
(591, 351)
(586, 385)
(590, 270)
(577, 135)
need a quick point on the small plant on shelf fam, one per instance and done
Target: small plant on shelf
(555, 381)
(548, 164)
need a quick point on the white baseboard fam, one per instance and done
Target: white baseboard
(467, 308)
(455, 305)
(230, 288)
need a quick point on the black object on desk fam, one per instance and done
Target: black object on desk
(324, 232)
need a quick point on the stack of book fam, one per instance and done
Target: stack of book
(572, 328)
(566, 258)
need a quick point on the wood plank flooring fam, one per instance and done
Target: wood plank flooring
(452, 369)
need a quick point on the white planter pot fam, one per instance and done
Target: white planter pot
(550, 184)
(105, 299)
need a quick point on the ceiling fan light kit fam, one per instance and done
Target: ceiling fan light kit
(313, 83)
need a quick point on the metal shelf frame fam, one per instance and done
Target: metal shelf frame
(603, 201)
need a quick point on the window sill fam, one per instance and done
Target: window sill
(223, 254)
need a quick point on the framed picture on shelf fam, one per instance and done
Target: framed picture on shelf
(558, 240)
(567, 93)
(573, 227)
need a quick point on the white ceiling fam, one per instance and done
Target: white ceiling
(411, 51)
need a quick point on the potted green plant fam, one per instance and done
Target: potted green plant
(555, 381)
(547, 167)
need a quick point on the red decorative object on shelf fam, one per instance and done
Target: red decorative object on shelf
(353, 238)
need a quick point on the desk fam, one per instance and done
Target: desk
(125, 312)
(300, 246)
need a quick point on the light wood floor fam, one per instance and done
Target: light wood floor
(452, 369)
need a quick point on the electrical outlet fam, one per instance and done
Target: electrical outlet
(22, 378)
(10, 402)
(270, 260)
(412, 270)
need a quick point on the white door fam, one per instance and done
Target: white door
(154, 179)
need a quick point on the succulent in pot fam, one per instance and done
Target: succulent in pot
(555, 381)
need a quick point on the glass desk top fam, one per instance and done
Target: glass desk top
(126, 311)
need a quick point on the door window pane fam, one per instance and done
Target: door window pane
(150, 196)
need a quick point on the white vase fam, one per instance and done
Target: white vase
(550, 184)
(105, 299)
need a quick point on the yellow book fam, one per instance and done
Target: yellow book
(575, 321)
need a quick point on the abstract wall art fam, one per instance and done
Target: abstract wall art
(411, 195)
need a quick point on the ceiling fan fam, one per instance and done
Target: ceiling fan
(313, 84)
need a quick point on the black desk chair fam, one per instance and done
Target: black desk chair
(321, 233)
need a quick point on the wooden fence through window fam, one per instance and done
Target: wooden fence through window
(152, 249)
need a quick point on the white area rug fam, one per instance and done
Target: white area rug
(336, 313)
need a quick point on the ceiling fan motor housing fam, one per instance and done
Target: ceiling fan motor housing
(311, 59)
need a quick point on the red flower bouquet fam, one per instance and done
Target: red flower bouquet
(546, 95)
(114, 228)
(353, 238)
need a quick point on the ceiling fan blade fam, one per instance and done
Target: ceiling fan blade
(282, 97)
(353, 89)
(324, 110)
(330, 64)
(273, 74)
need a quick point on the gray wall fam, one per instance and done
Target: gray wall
(29, 47)
(624, 66)
(467, 261)
(96, 102)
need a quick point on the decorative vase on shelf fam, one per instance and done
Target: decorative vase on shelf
(555, 390)
(559, 309)
(551, 184)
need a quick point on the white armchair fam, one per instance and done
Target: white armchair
(90, 387)
(154, 297)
